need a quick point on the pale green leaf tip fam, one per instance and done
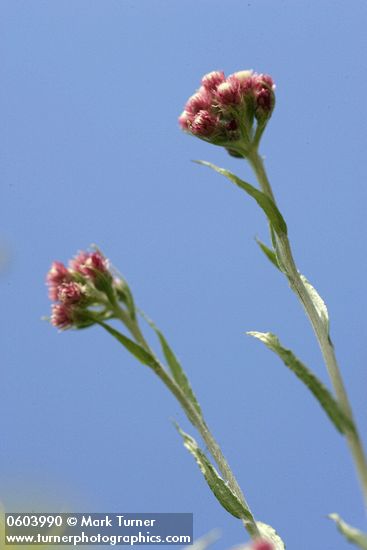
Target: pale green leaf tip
(263, 336)
(178, 428)
(352, 534)
(175, 424)
(268, 252)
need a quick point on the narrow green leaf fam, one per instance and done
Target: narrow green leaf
(269, 253)
(276, 249)
(175, 367)
(271, 535)
(322, 394)
(125, 294)
(318, 302)
(268, 206)
(222, 492)
(353, 535)
(135, 349)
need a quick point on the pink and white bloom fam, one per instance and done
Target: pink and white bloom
(212, 80)
(57, 275)
(264, 94)
(61, 316)
(228, 93)
(265, 79)
(90, 264)
(200, 101)
(185, 120)
(264, 99)
(204, 124)
(70, 293)
(245, 82)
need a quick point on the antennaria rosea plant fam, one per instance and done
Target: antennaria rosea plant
(231, 112)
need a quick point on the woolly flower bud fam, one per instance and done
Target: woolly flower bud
(244, 82)
(264, 94)
(242, 75)
(212, 80)
(264, 99)
(198, 102)
(266, 79)
(77, 263)
(90, 264)
(57, 275)
(228, 93)
(70, 293)
(61, 316)
(204, 124)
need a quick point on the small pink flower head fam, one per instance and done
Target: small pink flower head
(244, 81)
(228, 93)
(97, 262)
(262, 545)
(264, 99)
(264, 95)
(57, 275)
(266, 79)
(185, 120)
(70, 293)
(204, 124)
(198, 102)
(212, 80)
(77, 263)
(61, 316)
(90, 264)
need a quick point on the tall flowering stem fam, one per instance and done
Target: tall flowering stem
(239, 108)
(322, 335)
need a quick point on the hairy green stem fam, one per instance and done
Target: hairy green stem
(321, 332)
(195, 418)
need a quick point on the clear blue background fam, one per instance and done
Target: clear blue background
(91, 152)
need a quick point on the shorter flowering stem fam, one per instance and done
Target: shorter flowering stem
(212, 445)
(131, 325)
(195, 418)
(323, 338)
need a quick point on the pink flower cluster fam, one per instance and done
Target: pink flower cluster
(214, 112)
(67, 286)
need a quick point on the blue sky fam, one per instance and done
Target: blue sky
(91, 153)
